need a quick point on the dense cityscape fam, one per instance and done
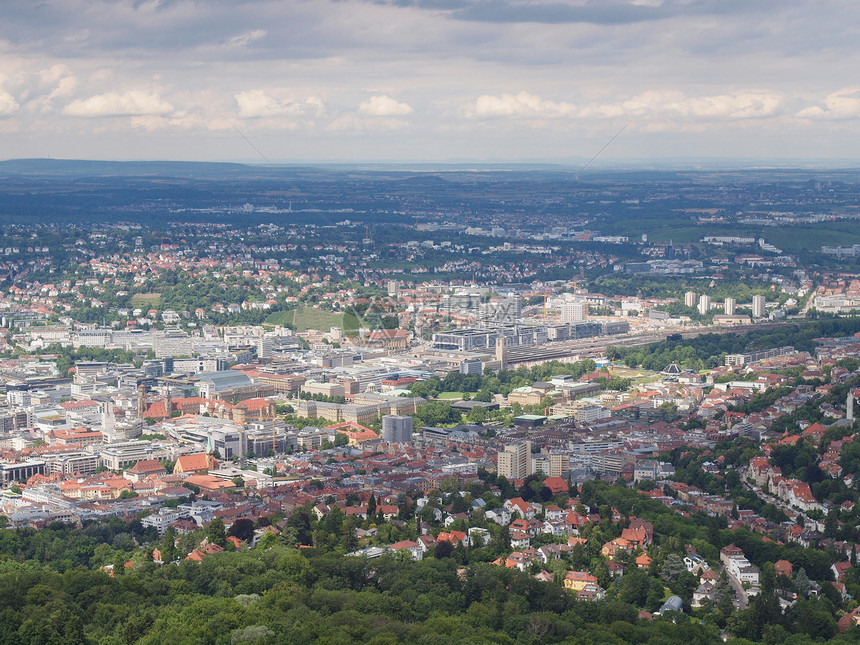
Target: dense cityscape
(249, 404)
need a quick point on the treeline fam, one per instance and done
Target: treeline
(67, 356)
(502, 381)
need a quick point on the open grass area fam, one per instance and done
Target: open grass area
(451, 395)
(145, 299)
(306, 318)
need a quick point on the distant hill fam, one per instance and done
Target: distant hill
(81, 168)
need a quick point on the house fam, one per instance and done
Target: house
(454, 537)
(553, 512)
(729, 552)
(578, 580)
(552, 551)
(616, 569)
(839, 569)
(575, 521)
(520, 539)
(145, 468)
(637, 523)
(500, 516)
(199, 464)
(426, 542)
(408, 546)
(614, 548)
(643, 561)
(693, 561)
(479, 536)
(783, 568)
(544, 576)
(519, 505)
(708, 575)
(636, 537)
(556, 485)
(703, 594)
(521, 560)
(527, 526)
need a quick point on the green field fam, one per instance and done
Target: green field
(144, 299)
(306, 318)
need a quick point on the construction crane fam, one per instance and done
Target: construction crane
(540, 295)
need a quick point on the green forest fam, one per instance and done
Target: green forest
(299, 587)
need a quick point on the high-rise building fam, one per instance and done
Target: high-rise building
(704, 304)
(849, 406)
(393, 288)
(396, 428)
(729, 306)
(574, 311)
(515, 461)
(265, 345)
(690, 299)
(758, 306)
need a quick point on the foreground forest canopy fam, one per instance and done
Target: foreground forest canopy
(56, 591)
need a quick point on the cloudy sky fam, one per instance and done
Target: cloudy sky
(429, 80)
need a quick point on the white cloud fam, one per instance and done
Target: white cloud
(522, 104)
(8, 104)
(246, 39)
(844, 104)
(131, 103)
(255, 104)
(383, 105)
(647, 105)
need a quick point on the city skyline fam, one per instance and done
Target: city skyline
(428, 81)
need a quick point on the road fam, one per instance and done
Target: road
(742, 600)
(791, 512)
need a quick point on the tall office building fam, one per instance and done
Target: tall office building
(729, 306)
(690, 299)
(396, 428)
(515, 461)
(574, 311)
(265, 345)
(704, 304)
(758, 306)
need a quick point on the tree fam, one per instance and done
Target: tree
(724, 596)
(801, 581)
(444, 550)
(168, 546)
(216, 533)
(243, 529)
(436, 413)
(831, 524)
(673, 567)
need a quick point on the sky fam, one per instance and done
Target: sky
(429, 80)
